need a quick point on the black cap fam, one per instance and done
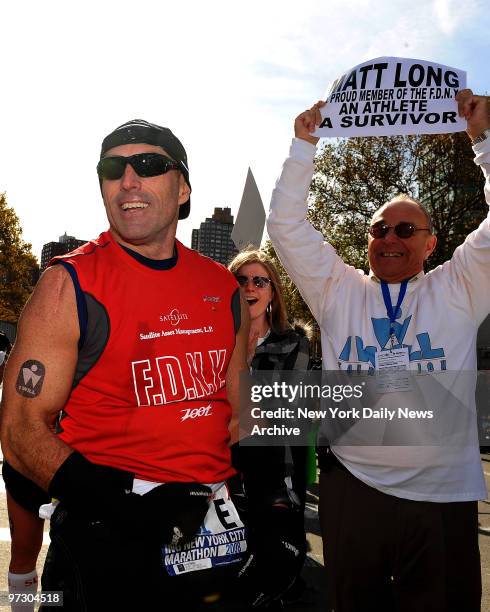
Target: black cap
(140, 131)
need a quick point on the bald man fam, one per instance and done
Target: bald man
(399, 524)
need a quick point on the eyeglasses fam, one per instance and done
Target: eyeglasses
(259, 281)
(144, 164)
(402, 229)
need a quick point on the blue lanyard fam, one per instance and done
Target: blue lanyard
(392, 314)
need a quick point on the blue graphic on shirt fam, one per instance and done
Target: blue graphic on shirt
(364, 353)
(362, 358)
(382, 331)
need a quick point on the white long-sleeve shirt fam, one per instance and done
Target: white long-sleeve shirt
(438, 322)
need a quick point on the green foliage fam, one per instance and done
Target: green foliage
(18, 266)
(355, 177)
(296, 307)
(451, 187)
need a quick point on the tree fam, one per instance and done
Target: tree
(18, 266)
(451, 187)
(296, 307)
(354, 177)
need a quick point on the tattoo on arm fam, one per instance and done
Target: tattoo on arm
(30, 379)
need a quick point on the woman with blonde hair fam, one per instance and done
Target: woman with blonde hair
(261, 286)
(274, 345)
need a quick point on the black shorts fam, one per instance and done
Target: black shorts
(24, 491)
(85, 554)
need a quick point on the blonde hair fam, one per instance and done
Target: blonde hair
(277, 316)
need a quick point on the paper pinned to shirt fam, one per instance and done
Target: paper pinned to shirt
(390, 96)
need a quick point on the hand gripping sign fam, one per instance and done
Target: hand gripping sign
(390, 96)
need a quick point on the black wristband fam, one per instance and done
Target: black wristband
(78, 482)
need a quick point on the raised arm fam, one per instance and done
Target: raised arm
(469, 268)
(312, 263)
(476, 110)
(38, 378)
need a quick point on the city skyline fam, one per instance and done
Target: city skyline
(63, 245)
(213, 237)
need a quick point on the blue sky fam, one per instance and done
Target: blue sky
(228, 79)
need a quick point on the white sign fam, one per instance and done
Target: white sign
(390, 96)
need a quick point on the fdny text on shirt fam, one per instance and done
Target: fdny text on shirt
(167, 378)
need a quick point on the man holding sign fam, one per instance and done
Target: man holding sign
(414, 543)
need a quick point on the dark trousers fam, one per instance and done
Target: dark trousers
(386, 554)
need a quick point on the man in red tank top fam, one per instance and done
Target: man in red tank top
(120, 391)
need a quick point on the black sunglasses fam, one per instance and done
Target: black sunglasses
(402, 229)
(259, 281)
(144, 164)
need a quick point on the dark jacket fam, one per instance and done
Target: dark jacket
(287, 351)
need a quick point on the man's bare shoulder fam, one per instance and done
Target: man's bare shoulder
(52, 303)
(55, 280)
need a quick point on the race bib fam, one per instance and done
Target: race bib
(393, 371)
(221, 540)
(394, 359)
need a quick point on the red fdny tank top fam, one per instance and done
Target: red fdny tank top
(151, 397)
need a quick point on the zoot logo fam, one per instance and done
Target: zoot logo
(193, 413)
(174, 317)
